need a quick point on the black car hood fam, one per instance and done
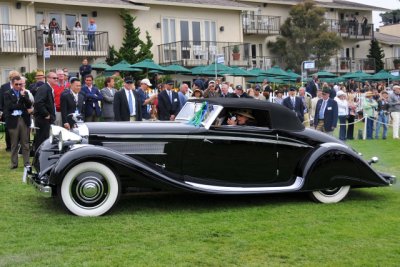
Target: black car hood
(146, 127)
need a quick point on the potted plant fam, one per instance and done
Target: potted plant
(396, 63)
(235, 52)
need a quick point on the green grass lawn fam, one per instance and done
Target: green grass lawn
(197, 230)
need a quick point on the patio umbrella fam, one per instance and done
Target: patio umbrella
(325, 74)
(211, 70)
(359, 76)
(276, 71)
(197, 69)
(347, 75)
(176, 69)
(147, 65)
(260, 79)
(238, 72)
(257, 71)
(382, 75)
(100, 66)
(123, 65)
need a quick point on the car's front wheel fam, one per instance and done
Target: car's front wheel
(89, 189)
(331, 195)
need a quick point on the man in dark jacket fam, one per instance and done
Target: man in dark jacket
(45, 111)
(127, 105)
(294, 103)
(168, 103)
(92, 97)
(17, 109)
(326, 113)
(71, 102)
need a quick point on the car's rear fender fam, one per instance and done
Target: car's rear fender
(334, 164)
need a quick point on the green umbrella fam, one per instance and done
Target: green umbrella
(176, 69)
(122, 66)
(325, 74)
(276, 71)
(239, 72)
(260, 79)
(257, 71)
(359, 76)
(210, 70)
(147, 65)
(382, 75)
(293, 74)
(100, 66)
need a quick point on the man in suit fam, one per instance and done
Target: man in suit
(45, 112)
(144, 97)
(71, 101)
(4, 88)
(313, 86)
(108, 93)
(294, 103)
(17, 109)
(92, 97)
(326, 113)
(306, 99)
(168, 103)
(127, 105)
(225, 91)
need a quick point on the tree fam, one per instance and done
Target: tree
(376, 52)
(133, 49)
(390, 17)
(304, 36)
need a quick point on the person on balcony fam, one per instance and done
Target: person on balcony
(54, 27)
(91, 34)
(364, 26)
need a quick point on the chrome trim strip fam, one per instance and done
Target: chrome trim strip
(208, 137)
(331, 144)
(138, 148)
(298, 183)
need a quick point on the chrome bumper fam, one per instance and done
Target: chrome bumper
(29, 178)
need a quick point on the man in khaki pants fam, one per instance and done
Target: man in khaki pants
(307, 105)
(394, 108)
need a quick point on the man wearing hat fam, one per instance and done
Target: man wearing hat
(257, 93)
(144, 97)
(168, 103)
(326, 113)
(294, 103)
(40, 80)
(240, 93)
(369, 105)
(127, 106)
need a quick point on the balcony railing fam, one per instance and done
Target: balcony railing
(344, 65)
(351, 29)
(195, 53)
(73, 43)
(392, 63)
(267, 62)
(17, 39)
(261, 24)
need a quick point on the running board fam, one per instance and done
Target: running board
(298, 183)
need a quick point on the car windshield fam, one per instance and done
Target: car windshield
(199, 113)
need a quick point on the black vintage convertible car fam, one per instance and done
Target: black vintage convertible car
(90, 168)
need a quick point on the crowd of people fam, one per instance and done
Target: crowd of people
(58, 99)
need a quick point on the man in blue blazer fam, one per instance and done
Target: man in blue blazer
(92, 96)
(168, 103)
(326, 113)
(294, 103)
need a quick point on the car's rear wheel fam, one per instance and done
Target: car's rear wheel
(331, 195)
(89, 189)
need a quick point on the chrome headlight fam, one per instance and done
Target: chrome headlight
(67, 138)
(54, 133)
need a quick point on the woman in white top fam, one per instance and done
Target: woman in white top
(343, 112)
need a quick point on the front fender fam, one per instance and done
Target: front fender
(128, 168)
(333, 165)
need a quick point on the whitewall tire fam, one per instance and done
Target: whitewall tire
(89, 189)
(331, 195)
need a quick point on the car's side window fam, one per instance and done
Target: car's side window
(259, 118)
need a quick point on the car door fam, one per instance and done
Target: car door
(238, 155)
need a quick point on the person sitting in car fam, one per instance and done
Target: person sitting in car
(243, 117)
